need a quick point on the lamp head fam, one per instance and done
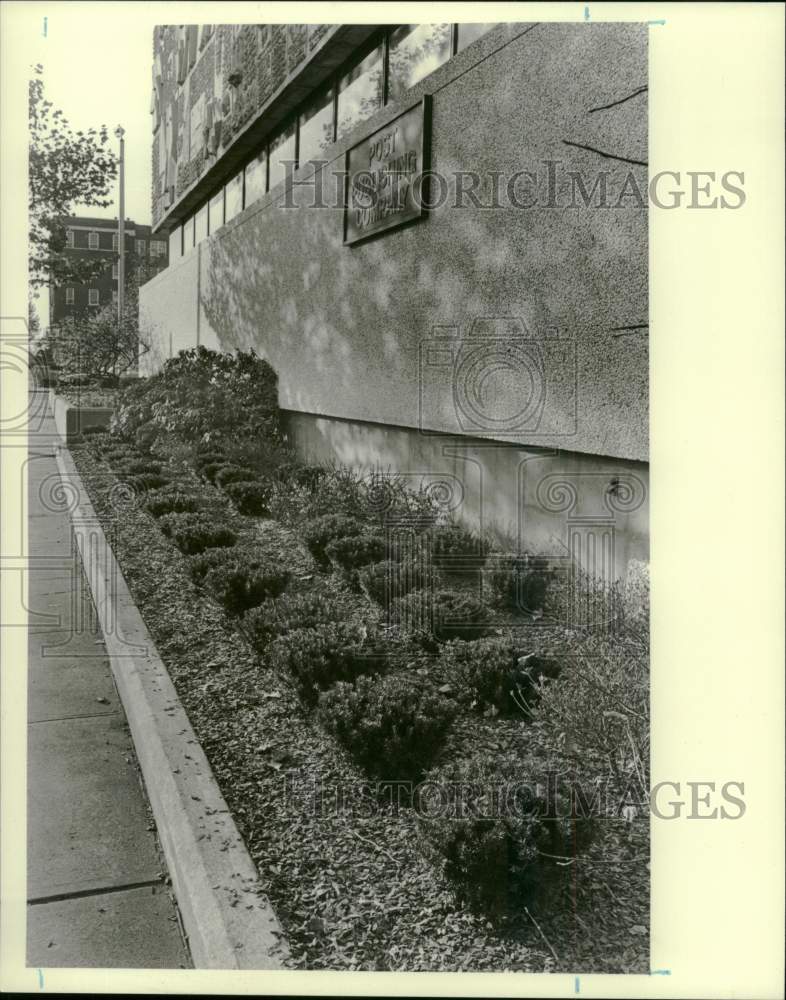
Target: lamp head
(120, 132)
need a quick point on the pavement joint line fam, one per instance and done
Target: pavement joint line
(59, 897)
(74, 718)
(228, 920)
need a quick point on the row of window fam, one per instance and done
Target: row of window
(396, 61)
(93, 296)
(157, 247)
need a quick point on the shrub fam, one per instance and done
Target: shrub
(442, 614)
(320, 532)
(289, 612)
(194, 533)
(451, 541)
(133, 466)
(201, 394)
(354, 551)
(144, 481)
(210, 470)
(170, 499)
(250, 497)
(497, 839)
(233, 474)
(202, 562)
(392, 725)
(496, 675)
(244, 582)
(319, 657)
(94, 431)
(203, 458)
(145, 436)
(520, 583)
(386, 581)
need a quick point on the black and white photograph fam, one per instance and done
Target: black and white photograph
(336, 588)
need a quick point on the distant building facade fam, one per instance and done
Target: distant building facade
(97, 239)
(493, 334)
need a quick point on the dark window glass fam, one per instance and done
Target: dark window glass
(256, 178)
(200, 224)
(233, 197)
(415, 51)
(282, 155)
(316, 127)
(467, 33)
(216, 220)
(360, 92)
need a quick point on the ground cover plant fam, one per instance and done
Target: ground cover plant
(307, 687)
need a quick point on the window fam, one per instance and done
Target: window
(316, 127)
(216, 213)
(233, 197)
(188, 236)
(115, 270)
(360, 92)
(200, 224)
(256, 179)
(158, 247)
(282, 156)
(140, 248)
(69, 296)
(115, 241)
(176, 243)
(468, 33)
(92, 241)
(92, 296)
(69, 238)
(415, 50)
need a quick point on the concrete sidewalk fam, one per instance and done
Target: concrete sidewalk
(96, 888)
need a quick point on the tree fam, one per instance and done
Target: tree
(65, 168)
(94, 343)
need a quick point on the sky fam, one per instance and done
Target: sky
(97, 69)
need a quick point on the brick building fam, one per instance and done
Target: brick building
(97, 239)
(438, 236)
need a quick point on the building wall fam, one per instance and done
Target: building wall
(349, 329)
(136, 258)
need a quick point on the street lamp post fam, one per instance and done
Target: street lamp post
(121, 236)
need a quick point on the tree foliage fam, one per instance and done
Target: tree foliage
(65, 168)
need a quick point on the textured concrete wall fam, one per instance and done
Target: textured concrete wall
(346, 327)
(558, 503)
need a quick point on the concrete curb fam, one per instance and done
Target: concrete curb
(229, 924)
(71, 420)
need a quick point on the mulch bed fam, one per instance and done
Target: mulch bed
(351, 884)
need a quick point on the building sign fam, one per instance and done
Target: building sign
(385, 186)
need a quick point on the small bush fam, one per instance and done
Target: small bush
(497, 839)
(320, 532)
(200, 564)
(495, 675)
(274, 618)
(250, 497)
(93, 431)
(144, 481)
(451, 541)
(233, 474)
(520, 583)
(319, 657)
(203, 458)
(194, 533)
(354, 551)
(211, 469)
(386, 581)
(442, 614)
(170, 500)
(392, 726)
(133, 466)
(244, 582)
